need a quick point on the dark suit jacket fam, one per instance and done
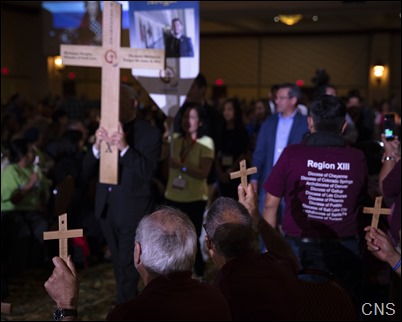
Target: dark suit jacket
(263, 156)
(178, 47)
(136, 170)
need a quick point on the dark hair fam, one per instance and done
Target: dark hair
(328, 113)
(238, 112)
(31, 134)
(18, 148)
(321, 90)
(294, 90)
(203, 121)
(267, 108)
(228, 225)
(354, 93)
(201, 81)
(176, 19)
(58, 114)
(73, 136)
(274, 88)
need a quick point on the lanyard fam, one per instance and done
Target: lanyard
(186, 150)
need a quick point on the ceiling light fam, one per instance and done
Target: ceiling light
(290, 20)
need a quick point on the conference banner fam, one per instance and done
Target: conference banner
(174, 27)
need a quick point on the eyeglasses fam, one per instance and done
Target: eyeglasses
(282, 97)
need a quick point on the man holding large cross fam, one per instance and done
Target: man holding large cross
(111, 57)
(123, 193)
(120, 207)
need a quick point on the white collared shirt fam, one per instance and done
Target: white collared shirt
(282, 133)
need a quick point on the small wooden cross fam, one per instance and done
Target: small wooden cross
(111, 57)
(376, 211)
(62, 235)
(243, 173)
(6, 308)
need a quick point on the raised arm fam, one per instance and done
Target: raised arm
(271, 205)
(390, 158)
(62, 286)
(379, 244)
(272, 238)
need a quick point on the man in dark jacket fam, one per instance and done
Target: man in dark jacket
(120, 207)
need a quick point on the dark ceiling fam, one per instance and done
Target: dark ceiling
(257, 17)
(333, 16)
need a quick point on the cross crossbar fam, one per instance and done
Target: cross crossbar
(376, 211)
(62, 235)
(243, 173)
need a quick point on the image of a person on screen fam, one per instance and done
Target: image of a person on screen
(90, 29)
(177, 44)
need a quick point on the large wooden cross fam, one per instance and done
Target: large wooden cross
(376, 211)
(62, 235)
(243, 173)
(111, 57)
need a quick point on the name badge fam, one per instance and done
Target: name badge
(227, 160)
(179, 183)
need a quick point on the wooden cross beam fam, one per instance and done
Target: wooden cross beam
(6, 308)
(376, 211)
(62, 235)
(243, 173)
(111, 57)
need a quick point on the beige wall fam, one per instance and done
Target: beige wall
(21, 53)
(249, 65)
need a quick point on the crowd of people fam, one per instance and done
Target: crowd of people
(301, 210)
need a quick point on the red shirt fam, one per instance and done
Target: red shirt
(260, 287)
(323, 188)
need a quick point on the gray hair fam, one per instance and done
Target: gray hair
(168, 241)
(228, 225)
